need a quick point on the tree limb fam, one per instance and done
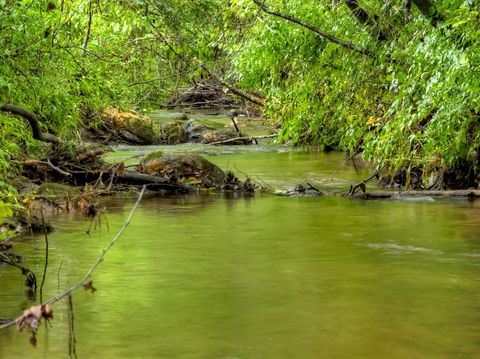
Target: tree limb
(242, 139)
(317, 31)
(33, 121)
(89, 28)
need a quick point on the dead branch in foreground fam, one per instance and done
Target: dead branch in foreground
(85, 282)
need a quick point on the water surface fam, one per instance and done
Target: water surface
(219, 276)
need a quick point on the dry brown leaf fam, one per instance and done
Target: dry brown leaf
(30, 319)
(89, 286)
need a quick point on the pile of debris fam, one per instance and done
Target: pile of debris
(203, 96)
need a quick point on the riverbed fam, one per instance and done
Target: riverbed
(260, 276)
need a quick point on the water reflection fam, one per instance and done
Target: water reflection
(208, 276)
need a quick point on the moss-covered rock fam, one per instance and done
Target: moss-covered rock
(140, 127)
(172, 133)
(183, 167)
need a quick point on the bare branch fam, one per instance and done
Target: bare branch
(242, 139)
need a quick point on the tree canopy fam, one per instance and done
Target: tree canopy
(397, 80)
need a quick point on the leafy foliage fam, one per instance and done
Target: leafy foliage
(63, 59)
(415, 102)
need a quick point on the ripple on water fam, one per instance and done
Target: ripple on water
(394, 248)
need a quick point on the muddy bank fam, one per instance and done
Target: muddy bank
(71, 181)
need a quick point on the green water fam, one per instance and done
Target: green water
(213, 276)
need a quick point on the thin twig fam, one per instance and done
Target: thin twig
(46, 259)
(242, 139)
(72, 340)
(351, 157)
(95, 264)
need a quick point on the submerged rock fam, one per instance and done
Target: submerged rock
(192, 169)
(172, 133)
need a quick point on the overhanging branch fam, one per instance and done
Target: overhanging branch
(33, 121)
(316, 30)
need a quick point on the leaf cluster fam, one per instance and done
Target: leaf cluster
(415, 101)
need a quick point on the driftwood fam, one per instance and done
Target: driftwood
(39, 162)
(251, 138)
(308, 190)
(461, 193)
(202, 95)
(152, 182)
(86, 156)
(33, 121)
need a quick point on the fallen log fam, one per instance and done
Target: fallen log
(310, 191)
(152, 182)
(245, 138)
(461, 193)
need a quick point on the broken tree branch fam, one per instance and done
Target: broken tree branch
(316, 30)
(32, 120)
(242, 139)
(362, 185)
(39, 162)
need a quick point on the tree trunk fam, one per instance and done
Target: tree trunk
(33, 121)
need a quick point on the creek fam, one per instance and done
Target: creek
(262, 276)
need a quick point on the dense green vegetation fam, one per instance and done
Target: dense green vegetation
(413, 99)
(64, 60)
(397, 79)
